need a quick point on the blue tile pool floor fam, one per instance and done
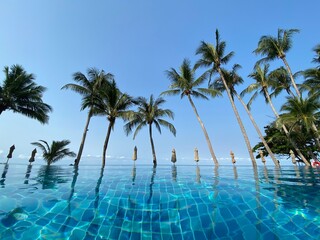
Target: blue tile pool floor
(167, 202)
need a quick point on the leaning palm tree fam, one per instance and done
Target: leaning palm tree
(186, 84)
(312, 75)
(213, 57)
(113, 104)
(88, 88)
(55, 152)
(305, 112)
(19, 93)
(260, 86)
(279, 81)
(232, 79)
(149, 113)
(277, 47)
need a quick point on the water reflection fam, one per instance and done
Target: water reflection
(3, 175)
(154, 171)
(134, 173)
(51, 176)
(174, 172)
(235, 172)
(198, 175)
(28, 172)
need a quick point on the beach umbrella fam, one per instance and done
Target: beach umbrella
(10, 152)
(262, 157)
(293, 157)
(232, 157)
(135, 153)
(173, 156)
(196, 155)
(33, 154)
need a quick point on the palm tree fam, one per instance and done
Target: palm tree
(112, 104)
(277, 47)
(88, 88)
(312, 75)
(260, 75)
(279, 80)
(19, 93)
(149, 113)
(214, 56)
(55, 152)
(186, 84)
(233, 79)
(303, 112)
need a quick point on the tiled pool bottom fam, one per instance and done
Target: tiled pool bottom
(167, 202)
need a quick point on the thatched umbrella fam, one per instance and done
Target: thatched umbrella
(196, 155)
(10, 152)
(232, 157)
(173, 156)
(135, 153)
(262, 157)
(293, 157)
(33, 154)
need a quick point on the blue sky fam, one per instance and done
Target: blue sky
(138, 41)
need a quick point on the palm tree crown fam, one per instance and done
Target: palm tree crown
(55, 152)
(19, 93)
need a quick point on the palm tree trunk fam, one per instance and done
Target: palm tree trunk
(291, 76)
(243, 130)
(105, 145)
(286, 130)
(315, 130)
(259, 132)
(152, 146)
(84, 135)
(205, 132)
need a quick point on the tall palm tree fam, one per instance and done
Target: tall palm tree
(312, 75)
(277, 47)
(186, 84)
(149, 113)
(56, 151)
(113, 104)
(232, 79)
(213, 57)
(88, 88)
(19, 93)
(303, 112)
(261, 85)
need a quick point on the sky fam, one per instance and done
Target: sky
(137, 41)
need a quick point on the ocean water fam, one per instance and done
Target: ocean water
(166, 202)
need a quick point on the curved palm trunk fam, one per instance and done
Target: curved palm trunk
(243, 130)
(315, 130)
(291, 76)
(152, 146)
(84, 135)
(105, 145)
(286, 130)
(259, 132)
(205, 132)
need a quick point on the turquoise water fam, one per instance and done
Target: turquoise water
(167, 202)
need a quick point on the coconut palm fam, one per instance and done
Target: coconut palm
(213, 57)
(312, 75)
(186, 84)
(20, 94)
(113, 104)
(303, 112)
(232, 79)
(88, 88)
(279, 81)
(260, 86)
(56, 151)
(277, 47)
(149, 113)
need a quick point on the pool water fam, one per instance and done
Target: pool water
(166, 202)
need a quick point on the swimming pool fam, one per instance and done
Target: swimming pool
(166, 202)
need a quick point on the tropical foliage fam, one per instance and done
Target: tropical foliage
(54, 152)
(185, 83)
(149, 113)
(89, 88)
(19, 93)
